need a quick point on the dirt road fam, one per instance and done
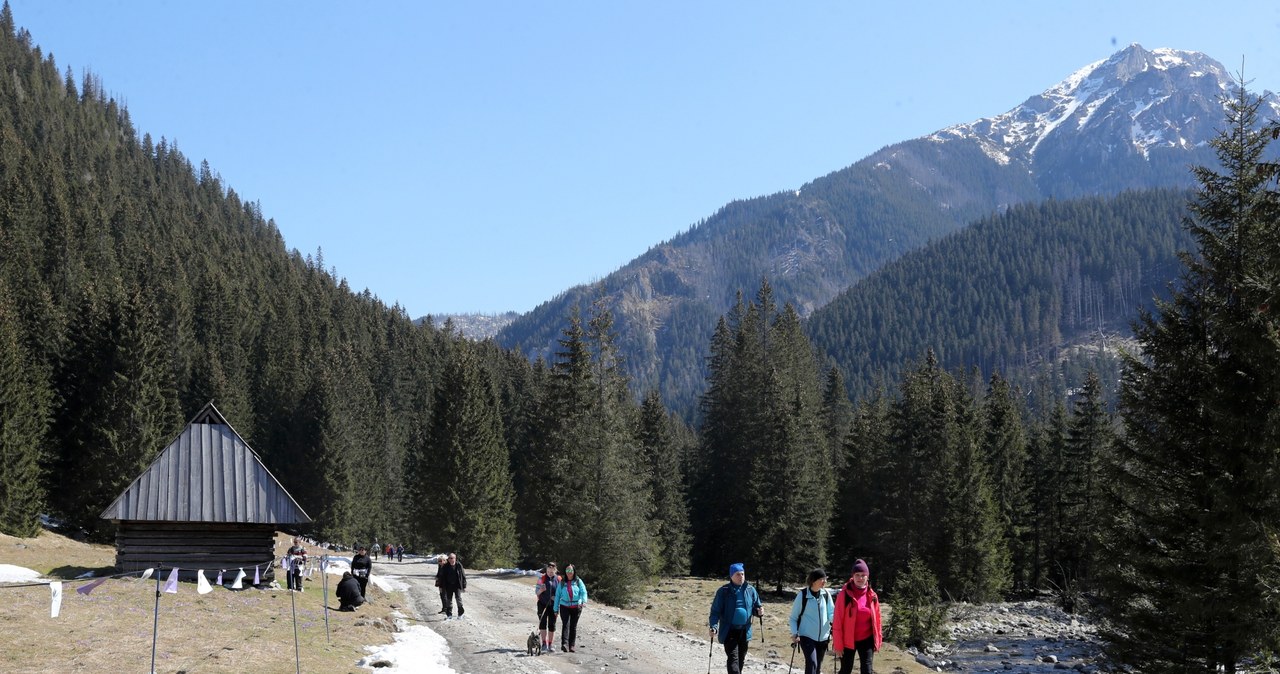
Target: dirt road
(500, 614)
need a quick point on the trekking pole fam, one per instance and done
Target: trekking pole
(711, 644)
(761, 616)
(793, 656)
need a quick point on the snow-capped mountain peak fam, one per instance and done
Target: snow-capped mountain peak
(1156, 99)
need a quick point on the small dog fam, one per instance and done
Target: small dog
(534, 644)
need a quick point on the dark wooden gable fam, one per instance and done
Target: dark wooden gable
(207, 474)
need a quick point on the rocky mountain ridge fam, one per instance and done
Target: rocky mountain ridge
(1136, 120)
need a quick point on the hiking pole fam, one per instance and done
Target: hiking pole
(711, 645)
(793, 655)
(761, 617)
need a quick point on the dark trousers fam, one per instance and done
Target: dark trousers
(735, 649)
(547, 619)
(814, 652)
(448, 596)
(294, 578)
(569, 625)
(866, 651)
(364, 583)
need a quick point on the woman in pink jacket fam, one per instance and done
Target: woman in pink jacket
(856, 628)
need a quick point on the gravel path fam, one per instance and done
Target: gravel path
(501, 614)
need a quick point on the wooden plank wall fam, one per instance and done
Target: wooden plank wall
(197, 545)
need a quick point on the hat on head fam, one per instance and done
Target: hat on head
(860, 567)
(569, 569)
(736, 568)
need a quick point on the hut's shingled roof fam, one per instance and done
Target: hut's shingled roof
(207, 474)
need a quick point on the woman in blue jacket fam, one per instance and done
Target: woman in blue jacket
(811, 616)
(571, 598)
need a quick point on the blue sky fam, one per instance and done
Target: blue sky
(484, 156)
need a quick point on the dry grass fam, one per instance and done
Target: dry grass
(683, 604)
(223, 631)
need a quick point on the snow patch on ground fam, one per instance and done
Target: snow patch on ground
(416, 649)
(16, 574)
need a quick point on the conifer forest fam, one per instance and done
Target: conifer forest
(135, 287)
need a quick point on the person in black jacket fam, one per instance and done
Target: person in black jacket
(362, 568)
(452, 581)
(349, 596)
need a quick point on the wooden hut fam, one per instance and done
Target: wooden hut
(206, 502)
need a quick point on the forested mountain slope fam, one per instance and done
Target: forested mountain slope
(1010, 292)
(1136, 120)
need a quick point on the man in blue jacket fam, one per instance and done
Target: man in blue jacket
(732, 610)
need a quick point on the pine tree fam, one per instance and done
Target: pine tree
(1005, 450)
(1044, 496)
(666, 483)
(919, 465)
(766, 461)
(1192, 552)
(476, 497)
(859, 516)
(977, 565)
(24, 418)
(119, 406)
(1089, 438)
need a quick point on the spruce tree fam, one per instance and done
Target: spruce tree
(1005, 450)
(1089, 437)
(666, 483)
(475, 501)
(859, 514)
(1192, 554)
(977, 564)
(24, 418)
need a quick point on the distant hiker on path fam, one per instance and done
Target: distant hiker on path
(362, 568)
(734, 605)
(571, 598)
(546, 589)
(452, 581)
(811, 616)
(400, 552)
(349, 594)
(856, 629)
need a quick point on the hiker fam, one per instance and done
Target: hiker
(452, 581)
(734, 605)
(571, 598)
(349, 594)
(811, 615)
(400, 552)
(440, 560)
(546, 589)
(362, 568)
(856, 629)
(296, 558)
(375, 548)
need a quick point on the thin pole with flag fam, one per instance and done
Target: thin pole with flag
(155, 626)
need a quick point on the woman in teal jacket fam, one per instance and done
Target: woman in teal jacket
(571, 598)
(811, 616)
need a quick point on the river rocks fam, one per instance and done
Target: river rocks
(1021, 637)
